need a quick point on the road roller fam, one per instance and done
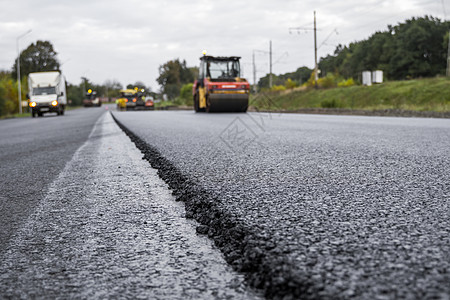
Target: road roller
(91, 99)
(219, 86)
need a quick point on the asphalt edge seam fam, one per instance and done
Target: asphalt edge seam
(246, 251)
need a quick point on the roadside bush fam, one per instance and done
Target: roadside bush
(8, 96)
(330, 81)
(2, 100)
(186, 91)
(290, 84)
(278, 88)
(311, 81)
(348, 82)
(327, 82)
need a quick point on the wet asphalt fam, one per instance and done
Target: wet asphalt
(312, 207)
(109, 227)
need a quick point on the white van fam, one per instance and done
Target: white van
(47, 93)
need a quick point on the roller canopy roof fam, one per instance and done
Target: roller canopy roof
(224, 58)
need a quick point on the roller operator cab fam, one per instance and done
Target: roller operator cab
(46, 93)
(219, 87)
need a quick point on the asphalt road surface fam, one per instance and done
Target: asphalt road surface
(101, 224)
(292, 206)
(312, 207)
(33, 151)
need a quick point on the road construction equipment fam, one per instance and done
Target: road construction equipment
(149, 103)
(140, 99)
(91, 99)
(127, 100)
(219, 87)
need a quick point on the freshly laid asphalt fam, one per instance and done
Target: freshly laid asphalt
(302, 206)
(312, 207)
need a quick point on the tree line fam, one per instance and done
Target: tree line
(413, 49)
(41, 57)
(416, 48)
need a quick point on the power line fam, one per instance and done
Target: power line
(283, 55)
(270, 59)
(271, 63)
(299, 29)
(448, 55)
(316, 67)
(326, 39)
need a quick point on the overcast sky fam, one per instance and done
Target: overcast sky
(128, 40)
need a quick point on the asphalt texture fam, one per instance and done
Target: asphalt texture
(33, 151)
(108, 227)
(312, 207)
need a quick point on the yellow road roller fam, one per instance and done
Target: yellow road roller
(219, 87)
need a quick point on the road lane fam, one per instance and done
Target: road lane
(318, 206)
(33, 151)
(108, 227)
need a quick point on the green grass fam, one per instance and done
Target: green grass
(73, 107)
(431, 94)
(175, 102)
(165, 104)
(16, 115)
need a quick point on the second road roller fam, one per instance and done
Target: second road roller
(219, 87)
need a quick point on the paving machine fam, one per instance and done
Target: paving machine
(219, 87)
(133, 99)
(91, 99)
(127, 100)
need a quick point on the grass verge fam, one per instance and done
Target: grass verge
(421, 95)
(28, 114)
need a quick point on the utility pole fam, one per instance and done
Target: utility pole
(316, 68)
(270, 63)
(254, 73)
(254, 65)
(84, 82)
(298, 29)
(448, 55)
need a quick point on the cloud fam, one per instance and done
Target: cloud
(129, 40)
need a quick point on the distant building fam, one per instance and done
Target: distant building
(377, 76)
(367, 78)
